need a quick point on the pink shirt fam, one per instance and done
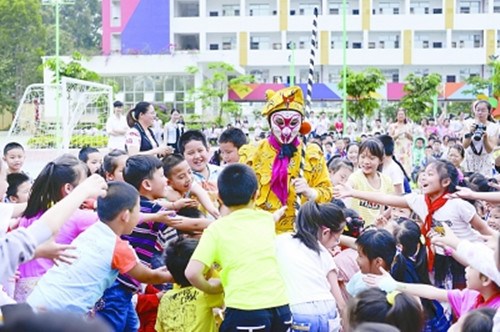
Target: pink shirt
(76, 224)
(463, 301)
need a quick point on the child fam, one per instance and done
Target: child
(113, 165)
(13, 154)
(368, 178)
(394, 308)
(145, 173)
(19, 188)
(376, 249)
(57, 179)
(194, 147)
(418, 153)
(340, 170)
(437, 152)
(434, 208)
(410, 265)
(308, 267)
(230, 141)
(185, 308)
(456, 155)
(242, 244)
(340, 147)
(353, 153)
(181, 186)
(481, 291)
(329, 153)
(391, 167)
(101, 255)
(92, 158)
(494, 218)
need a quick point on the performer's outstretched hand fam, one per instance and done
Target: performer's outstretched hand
(302, 187)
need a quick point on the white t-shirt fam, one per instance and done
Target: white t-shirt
(303, 270)
(456, 213)
(7, 210)
(116, 123)
(393, 171)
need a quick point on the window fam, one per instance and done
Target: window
(395, 78)
(469, 7)
(395, 11)
(214, 47)
(277, 79)
(450, 78)
(453, 44)
(464, 10)
(357, 45)
(437, 45)
(419, 7)
(228, 43)
(188, 9)
(335, 8)
(259, 43)
(355, 11)
(437, 11)
(477, 41)
(230, 10)
(381, 44)
(371, 44)
(212, 14)
(425, 44)
(259, 9)
(307, 8)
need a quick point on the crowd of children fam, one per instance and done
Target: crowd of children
(124, 242)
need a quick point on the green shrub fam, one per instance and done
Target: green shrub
(76, 142)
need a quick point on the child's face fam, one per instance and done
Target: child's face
(339, 145)
(397, 213)
(118, 173)
(157, 184)
(473, 278)
(436, 146)
(494, 218)
(229, 153)
(329, 239)
(428, 152)
(22, 194)
(94, 162)
(15, 160)
(419, 144)
(3, 180)
(196, 154)
(180, 178)
(340, 176)
(352, 154)
(364, 263)
(454, 157)
(431, 182)
(368, 162)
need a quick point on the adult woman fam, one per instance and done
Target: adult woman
(173, 130)
(403, 140)
(480, 140)
(140, 138)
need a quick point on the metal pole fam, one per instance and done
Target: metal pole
(344, 63)
(292, 63)
(58, 81)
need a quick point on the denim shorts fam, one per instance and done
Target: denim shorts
(316, 316)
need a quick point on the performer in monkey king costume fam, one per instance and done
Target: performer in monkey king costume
(276, 160)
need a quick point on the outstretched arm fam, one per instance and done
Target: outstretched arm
(344, 191)
(195, 274)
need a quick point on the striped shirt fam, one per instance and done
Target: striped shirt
(148, 239)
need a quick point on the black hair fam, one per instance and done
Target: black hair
(12, 146)
(350, 145)
(46, 189)
(133, 115)
(109, 163)
(312, 217)
(460, 149)
(388, 144)
(446, 170)
(354, 223)
(420, 139)
(237, 184)
(479, 320)
(336, 163)
(174, 110)
(178, 254)
(374, 146)
(488, 106)
(377, 243)
(83, 155)
(170, 161)
(120, 196)
(139, 168)
(117, 104)
(372, 305)
(15, 180)
(191, 135)
(375, 327)
(233, 135)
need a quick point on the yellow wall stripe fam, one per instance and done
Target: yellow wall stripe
(449, 14)
(408, 46)
(367, 13)
(490, 44)
(324, 47)
(243, 48)
(283, 13)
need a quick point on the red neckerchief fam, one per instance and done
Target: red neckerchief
(426, 227)
(481, 302)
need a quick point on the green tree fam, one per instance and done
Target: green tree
(218, 77)
(420, 92)
(80, 27)
(73, 69)
(361, 87)
(22, 36)
(479, 85)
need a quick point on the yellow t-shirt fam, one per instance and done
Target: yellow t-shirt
(368, 210)
(187, 310)
(261, 159)
(242, 244)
